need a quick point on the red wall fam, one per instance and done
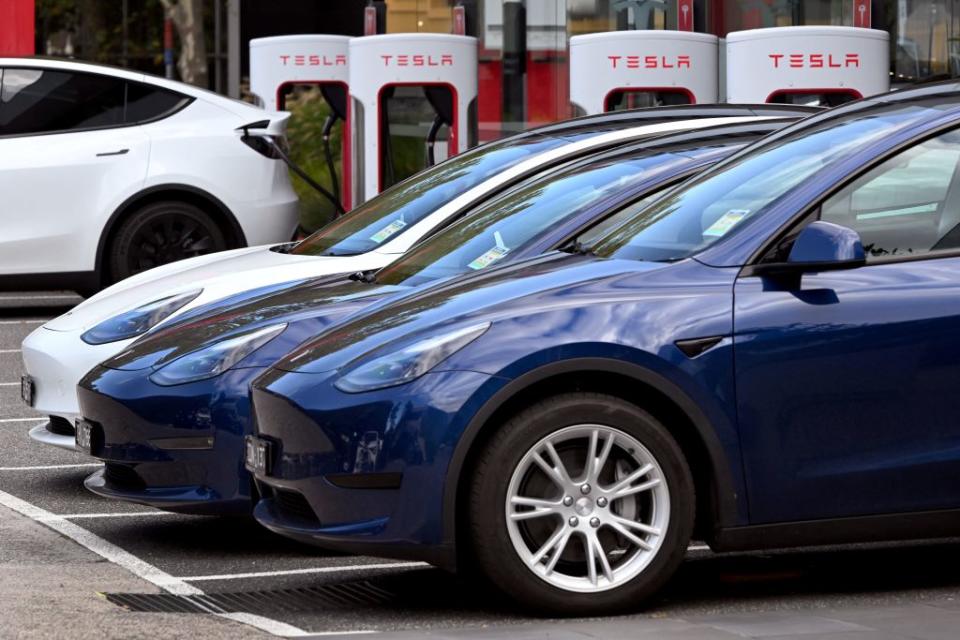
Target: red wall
(16, 27)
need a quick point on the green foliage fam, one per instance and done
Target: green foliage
(305, 133)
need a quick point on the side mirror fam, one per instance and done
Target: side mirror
(821, 246)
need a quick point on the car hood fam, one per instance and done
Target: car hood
(307, 309)
(539, 283)
(219, 275)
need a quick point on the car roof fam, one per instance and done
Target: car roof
(614, 120)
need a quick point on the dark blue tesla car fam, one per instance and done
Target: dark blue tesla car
(169, 414)
(766, 356)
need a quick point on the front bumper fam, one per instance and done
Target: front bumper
(54, 435)
(364, 473)
(175, 448)
(57, 360)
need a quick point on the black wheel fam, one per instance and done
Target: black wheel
(583, 504)
(162, 232)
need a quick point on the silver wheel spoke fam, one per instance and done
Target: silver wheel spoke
(597, 548)
(591, 558)
(626, 533)
(640, 488)
(633, 477)
(558, 536)
(540, 508)
(559, 469)
(602, 460)
(561, 545)
(639, 526)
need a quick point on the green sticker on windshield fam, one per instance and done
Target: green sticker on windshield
(726, 222)
(388, 231)
(489, 257)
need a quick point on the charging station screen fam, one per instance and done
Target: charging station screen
(415, 124)
(638, 98)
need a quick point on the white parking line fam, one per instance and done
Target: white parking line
(34, 419)
(126, 514)
(60, 297)
(294, 572)
(25, 321)
(101, 547)
(135, 565)
(9, 384)
(51, 467)
(9, 350)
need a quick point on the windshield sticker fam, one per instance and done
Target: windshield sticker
(726, 222)
(491, 256)
(388, 231)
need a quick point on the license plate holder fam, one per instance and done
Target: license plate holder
(28, 390)
(84, 436)
(257, 456)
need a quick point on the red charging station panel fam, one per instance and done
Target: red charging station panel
(17, 27)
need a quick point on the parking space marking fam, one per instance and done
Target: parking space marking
(25, 321)
(125, 514)
(9, 384)
(37, 419)
(133, 564)
(58, 297)
(53, 467)
(99, 546)
(9, 350)
(274, 627)
(294, 572)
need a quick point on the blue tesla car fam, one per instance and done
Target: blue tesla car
(170, 413)
(766, 356)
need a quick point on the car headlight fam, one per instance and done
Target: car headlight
(138, 321)
(211, 361)
(408, 363)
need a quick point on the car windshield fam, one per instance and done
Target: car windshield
(714, 205)
(507, 223)
(398, 208)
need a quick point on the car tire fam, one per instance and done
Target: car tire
(162, 232)
(507, 549)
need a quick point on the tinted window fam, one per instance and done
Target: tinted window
(715, 205)
(39, 100)
(906, 206)
(146, 103)
(386, 216)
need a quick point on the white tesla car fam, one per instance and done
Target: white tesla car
(106, 173)
(59, 353)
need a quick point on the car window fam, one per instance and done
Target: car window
(507, 223)
(146, 103)
(394, 211)
(42, 101)
(908, 205)
(716, 204)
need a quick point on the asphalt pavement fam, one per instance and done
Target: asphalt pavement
(77, 566)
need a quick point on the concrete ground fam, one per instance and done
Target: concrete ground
(73, 565)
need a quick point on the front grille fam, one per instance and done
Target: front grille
(61, 426)
(291, 503)
(123, 476)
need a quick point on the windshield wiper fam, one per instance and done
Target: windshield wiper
(578, 248)
(366, 277)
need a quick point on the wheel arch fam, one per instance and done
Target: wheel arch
(714, 483)
(172, 191)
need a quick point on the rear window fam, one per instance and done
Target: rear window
(35, 101)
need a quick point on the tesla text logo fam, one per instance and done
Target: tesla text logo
(339, 60)
(649, 62)
(815, 60)
(417, 60)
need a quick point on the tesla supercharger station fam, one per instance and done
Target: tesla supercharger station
(807, 65)
(279, 64)
(626, 69)
(413, 99)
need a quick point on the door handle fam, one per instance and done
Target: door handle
(112, 153)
